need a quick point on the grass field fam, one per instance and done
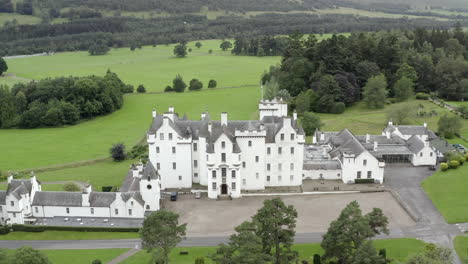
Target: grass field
(154, 67)
(397, 250)
(21, 19)
(450, 200)
(457, 103)
(80, 256)
(67, 235)
(461, 246)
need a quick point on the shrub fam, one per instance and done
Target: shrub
(422, 96)
(71, 187)
(128, 88)
(168, 89)
(358, 181)
(444, 166)
(466, 156)
(317, 259)
(210, 51)
(461, 160)
(338, 108)
(4, 229)
(97, 261)
(200, 260)
(141, 89)
(118, 152)
(454, 164)
(391, 100)
(195, 85)
(106, 188)
(212, 84)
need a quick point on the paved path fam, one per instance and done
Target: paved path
(124, 256)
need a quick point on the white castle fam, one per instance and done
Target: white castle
(227, 157)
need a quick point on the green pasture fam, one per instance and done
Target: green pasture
(80, 256)
(154, 67)
(21, 19)
(33, 148)
(10, 81)
(461, 246)
(67, 235)
(397, 250)
(450, 200)
(457, 103)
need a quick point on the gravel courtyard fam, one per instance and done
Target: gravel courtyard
(315, 212)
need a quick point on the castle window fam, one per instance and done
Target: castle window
(161, 136)
(256, 175)
(359, 174)
(223, 172)
(291, 166)
(195, 163)
(250, 143)
(233, 174)
(338, 175)
(369, 174)
(223, 157)
(149, 186)
(268, 150)
(279, 178)
(67, 210)
(180, 177)
(173, 150)
(282, 137)
(194, 146)
(256, 158)
(170, 136)
(292, 150)
(14, 215)
(195, 175)
(147, 207)
(92, 210)
(157, 149)
(430, 154)
(280, 150)
(364, 162)
(158, 166)
(233, 186)
(116, 211)
(129, 211)
(174, 166)
(268, 167)
(244, 181)
(280, 166)
(12, 203)
(243, 164)
(223, 144)
(131, 203)
(214, 186)
(292, 136)
(420, 154)
(291, 177)
(268, 178)
(213, 174)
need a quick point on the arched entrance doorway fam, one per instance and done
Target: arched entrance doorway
(224, 189)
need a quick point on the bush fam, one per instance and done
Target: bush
(71, 187)
(210, 51)
(212, 84)
(200, 260)
(317, 259)
(168, 89)
(107, 188)
(118, 152)
(338, 108)
(97, 261)
(138, 151)
(422, 96)
(34, 228)
(391, 100)
(141, 89)
(195, 85)
(444, 166)
(4, 229)
(128, 88)
(461, 159)
(358, 181)
(466, 156)
(454, 164)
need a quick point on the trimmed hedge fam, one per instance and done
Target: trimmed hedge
(444, 166)
(34, 228)
(364, 181)
(454, 164)
(422, 96)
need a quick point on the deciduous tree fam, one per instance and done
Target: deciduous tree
(118, 152)
(311, 122)
(178, 84)
(180, 50)
(28, 255)
(449, 125)
(375, 92)
(404, 89)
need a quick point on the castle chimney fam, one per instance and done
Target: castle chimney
(224, 118)
(209, 127)
(322, 137)
(171, 109)
(203, 115)
(134, 170)
(367, 138)
(376, 145)
(85, 196)
(154, 113)
(425, 124)
(295, 115)
(10, 178)
(390, 122)
(387, 134)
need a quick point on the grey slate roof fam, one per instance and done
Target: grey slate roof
(322, 165)
(72, 199)
(412, 130)
(150, 172)
(2, 197)
(391, 150)
(441, 145)
(130, 184)
(415, 144)
(134, 195)
(345, 143)
(101, 199)
(19, 187)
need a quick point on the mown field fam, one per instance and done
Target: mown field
(397, 250)
(67, 235)
(154, 67)
(451, 200)
(461, 246)
(80, 256)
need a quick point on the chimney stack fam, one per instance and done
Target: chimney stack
(224, 118)
(154, 113)
(322, 137)
(209, 127)
(295, 115)
(425, 124)
(387, 134)
(390, 122)
(367, 138)
(171, 109)
(203, 115)
(376, 145)
(10, 178)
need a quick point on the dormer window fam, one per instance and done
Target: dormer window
(223, 144)
(161, 136)
(170, 136)
(250, 143)
(131, 203)
(282, 137)
(12, 203)
(292, 136)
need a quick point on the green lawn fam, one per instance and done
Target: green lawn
(8, 80)
(397, 250)
(448, 192)
(67, 235)
(21, 19)
(155, 67)
(457, 103)
(461, 246)
(32, 148)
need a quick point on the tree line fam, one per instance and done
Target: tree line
(379, 68)
(268, 238)
(81, 34)
(60, 101)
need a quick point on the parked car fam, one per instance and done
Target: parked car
(174, 196)
(197, 195)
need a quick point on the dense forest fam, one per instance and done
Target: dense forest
(336, 72)
(81, 34)
(59, 101)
